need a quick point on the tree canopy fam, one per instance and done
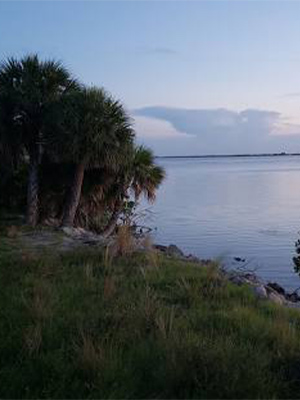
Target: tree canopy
(31, 91)
(70, 147)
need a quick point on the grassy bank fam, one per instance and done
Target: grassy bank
(81, 324)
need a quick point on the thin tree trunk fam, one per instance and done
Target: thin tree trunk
(32, 194)
(73, 196)
(112, 224)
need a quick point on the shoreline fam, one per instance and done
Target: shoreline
(269, 291)
(70, 239)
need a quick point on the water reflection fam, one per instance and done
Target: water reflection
(226, 208)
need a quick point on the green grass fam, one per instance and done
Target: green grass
(80, 325)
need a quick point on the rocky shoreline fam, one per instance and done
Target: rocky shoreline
(73, 237)
(269, 291)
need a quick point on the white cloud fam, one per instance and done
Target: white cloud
(154, 128)
(285, 126)
(216, 131)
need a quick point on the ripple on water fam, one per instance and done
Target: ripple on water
(248, 208)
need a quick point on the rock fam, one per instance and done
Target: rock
(192, 258)
(171, 250)
(293, 297)
(276, 287)
(252, 278)
(276, 298)
(292, 305)
(174, 251)
(248, 278)
(82, 235)
(272, 291)
(68, 231)
(260, 292)
(238, 280)
(239, 259)
(205, 261)
(161, 248)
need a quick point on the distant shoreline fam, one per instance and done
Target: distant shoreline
(234, 155)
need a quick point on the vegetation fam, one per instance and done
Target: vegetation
(30, 95)
(88, 324)
(72, 144)
(296, 259)
(96, 133)
(112, 322)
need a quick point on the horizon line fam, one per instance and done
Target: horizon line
(281, 154)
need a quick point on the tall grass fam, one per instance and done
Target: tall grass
(90, 325)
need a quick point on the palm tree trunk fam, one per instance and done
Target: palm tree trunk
(73, 196)
(32, 194)
(36, 154)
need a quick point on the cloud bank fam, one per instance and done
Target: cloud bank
(159, 129)
(176, 131)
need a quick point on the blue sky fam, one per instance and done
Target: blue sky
(189, 71)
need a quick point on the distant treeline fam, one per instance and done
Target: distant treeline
(234, 155)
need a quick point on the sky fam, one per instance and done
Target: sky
(198, 77)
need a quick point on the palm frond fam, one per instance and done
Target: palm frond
(146, 175)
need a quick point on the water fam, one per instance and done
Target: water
(233, 207)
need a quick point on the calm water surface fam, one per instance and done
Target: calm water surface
(233, 207)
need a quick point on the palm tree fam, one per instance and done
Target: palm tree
(141, 177)
(146, 174)
(96, 133)
(30, 90)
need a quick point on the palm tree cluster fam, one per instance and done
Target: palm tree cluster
(70, 148)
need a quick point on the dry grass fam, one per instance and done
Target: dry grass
(108, 256)
(12, 232)
(90, 355)
(89, 273)
(150, 305)
(109, 288)
(124, 242)
(38, 305)
(33, 338)
(183, 284)
(147, 243)
(153, 256)
(28, 257)
(164, 322)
